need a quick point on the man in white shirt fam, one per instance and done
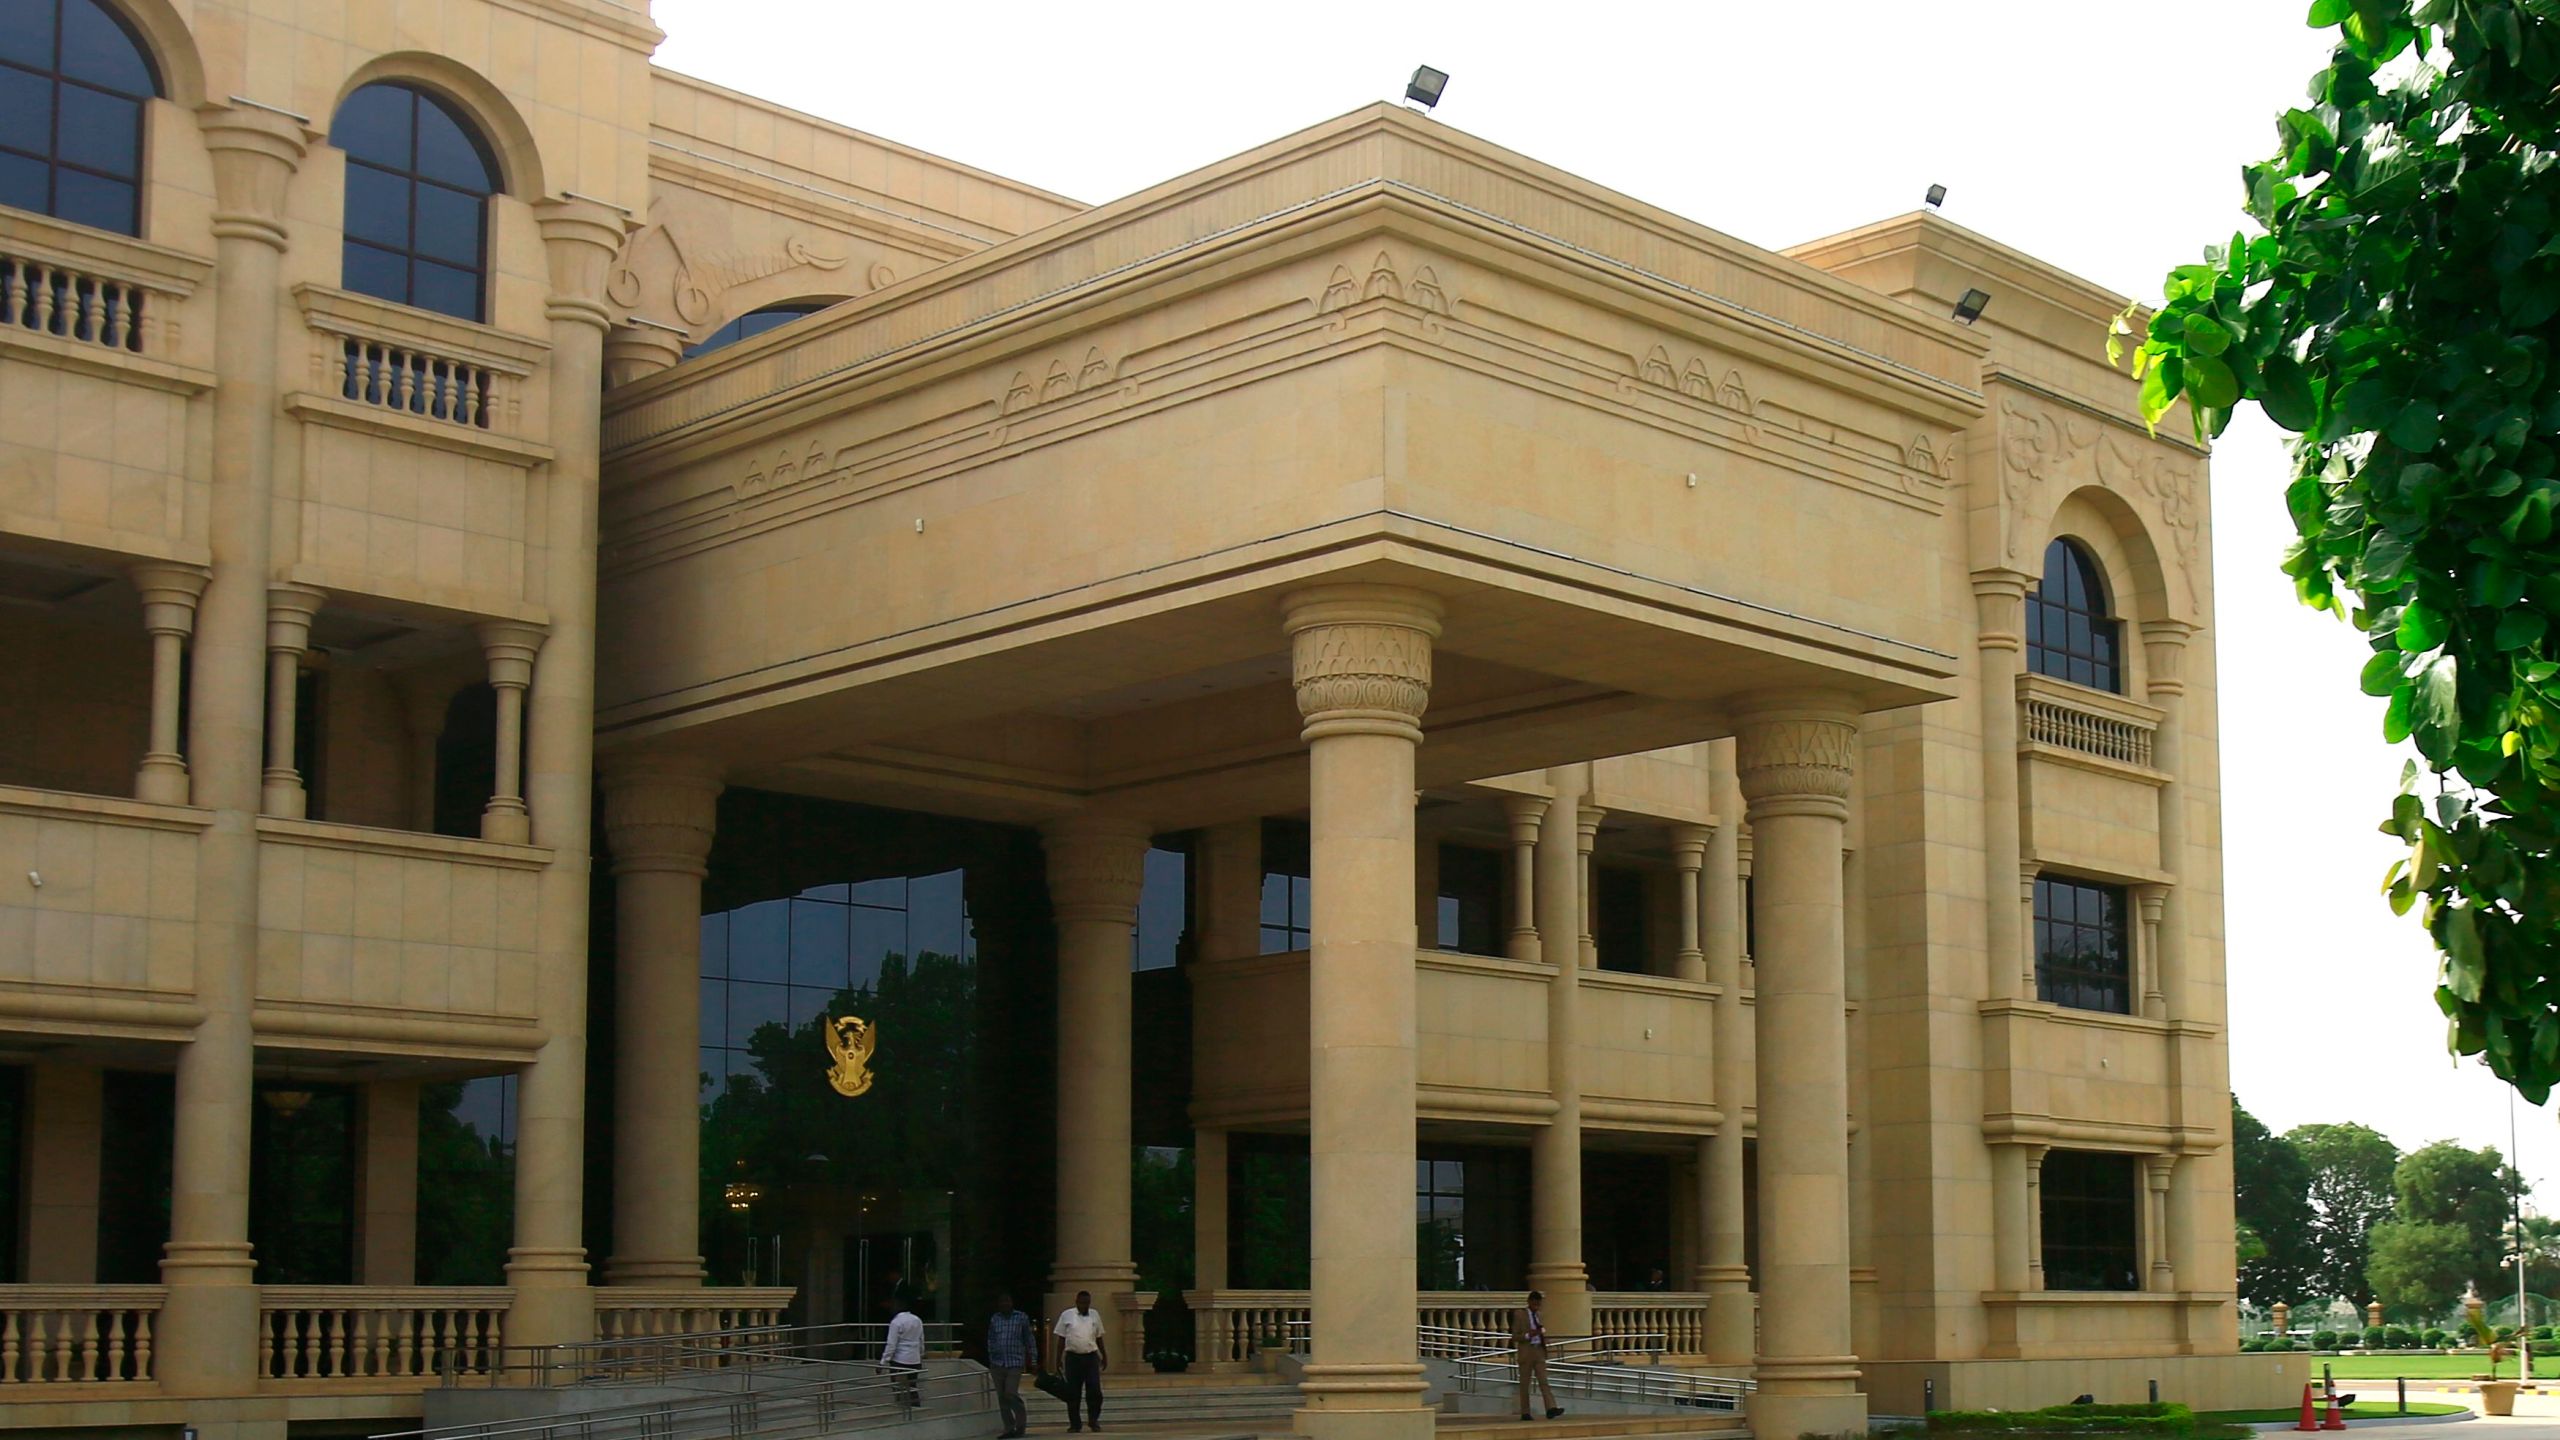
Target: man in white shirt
(902, 1353)
(1082, 1358)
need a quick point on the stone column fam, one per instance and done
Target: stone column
(290, 609)
(1689, 855)
(637, 349)
(1426, 886)
(2153, 900)
(1096, 865)
(2028, 870)
(1524, 813)
(169, 596)
(1722, 1223)
(1866, 1328)
(66, 1128)
(2034, 1155)
(387, 1172)
(1587, 820)
(1228, 881)
(1208, 1209)
(207, 1264)
(1555, 1149)
(2164, 654)
(1361, 663)
(547, 1264)
(2011, 1228)
(2162, 1271)
(510, 648)
(423, 701)
(660, 812)
(2000, 640)
(1795, 755)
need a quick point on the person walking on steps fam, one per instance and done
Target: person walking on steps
(1529, 1347)
(1009, 1353)
(902, 1351)
(1082, 1358)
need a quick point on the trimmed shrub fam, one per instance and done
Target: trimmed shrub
(2324, 1339)
(2253, 1344)
(2403, 1338)
(2375, 1337)
(2282, 1342)
(2159, 1422)
(2433, 1338)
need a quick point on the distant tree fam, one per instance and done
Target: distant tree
(2450, 1207)
(466, 1196)
(2351, 1169)
(2272, 1187)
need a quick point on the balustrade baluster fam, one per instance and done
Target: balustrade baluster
(142, 1345)
(13, 306)
(120, 315)
(88, 1323)
(60, 1325)
(45, 298)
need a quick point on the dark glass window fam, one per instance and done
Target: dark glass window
(1440, 1224)
(302, 1183)
(2070, 635)
(2083, 959)
(1619, 933)
(754, 322)
(1469, 918)
(1160, 939)
(466, 1180)
(1287, 895)
(2087, 1204)
(419, 178)
(73, 79)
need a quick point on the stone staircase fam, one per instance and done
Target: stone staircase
(1249, 1405)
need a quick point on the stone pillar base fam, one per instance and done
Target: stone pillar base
(505, 821)
(198, 1345)
(162, 779)
(1732, 1315)
(1781, 1416)
(1364, 1402)
(550, 1314)
(281, 795)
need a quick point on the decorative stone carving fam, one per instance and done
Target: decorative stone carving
(1794, 757)
(700, 274)
(1360, 658)
(2041, 448)
(1384, 281)
(1096, 865)
(659, 813)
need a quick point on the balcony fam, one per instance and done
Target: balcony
(1481, 1043)
(97, 915)
(2088, 791)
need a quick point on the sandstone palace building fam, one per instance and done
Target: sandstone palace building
(1370, 727)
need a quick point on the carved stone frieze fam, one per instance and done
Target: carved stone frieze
(1385, 280)
(2046, 452)
(1795, 757)
(679, 267)
(1361, 667)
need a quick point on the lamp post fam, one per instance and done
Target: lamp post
(2515, 1225)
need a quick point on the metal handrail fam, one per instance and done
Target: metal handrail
(1643, 1384)
(660, 1358)
(775, 1412)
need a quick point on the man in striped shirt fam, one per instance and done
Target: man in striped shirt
(1009, 1353)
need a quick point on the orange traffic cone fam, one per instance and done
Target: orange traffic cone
(2309, 1421)
(2333, 1420)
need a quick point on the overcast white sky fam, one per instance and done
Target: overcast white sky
(2104, 137)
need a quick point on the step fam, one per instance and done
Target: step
(1597, 1427)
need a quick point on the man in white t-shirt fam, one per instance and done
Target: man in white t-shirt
(902, 1351)
(1082, 1358)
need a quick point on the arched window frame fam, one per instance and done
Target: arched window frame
(386, 192)
(745, 327)
(2073, 634)
(90, 169)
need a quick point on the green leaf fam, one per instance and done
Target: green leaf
(2519, 630)
(2380, 673)
(2210, 381)
(2415, 430)
(2160, 389)
(2395, 715)
(2204, 337)
(2327, 12)
(2284, 392)
(2386, 557)
(2464, 967)
(2422, 627)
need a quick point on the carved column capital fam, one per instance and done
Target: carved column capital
(2164, 656)
(1795, 755)
(1097, 864)
(1999, 597)
(255, 153)
(169, 594)
(637, 349)
(1360, 657)
(290, 609)
(510, 646)
(580, 238)
(660, 812)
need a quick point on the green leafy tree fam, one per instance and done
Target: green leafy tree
(2272, 1195)
(2351, 1170)
(2396, 315)
(2451, 1207)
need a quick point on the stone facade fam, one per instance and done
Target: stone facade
(1372, 475)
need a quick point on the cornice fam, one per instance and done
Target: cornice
(1932, 232)
(625, 25)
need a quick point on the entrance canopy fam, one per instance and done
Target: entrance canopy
(1014, 535)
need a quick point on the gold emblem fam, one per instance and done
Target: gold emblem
(850, 1041)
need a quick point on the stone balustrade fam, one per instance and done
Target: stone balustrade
(77, 1334)
(632, 1312)
(1229, 1326)
(351, 1332)
(2073, 718)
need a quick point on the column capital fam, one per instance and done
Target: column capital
(290, 609)
(1097, 863)
(1689, 846)
(580, 237)
(1524, 814)
(660, 811)
(1794, 755)
(1586, 823)
(169, 594)
(2164, 656)
(1360, 658)
(2029, 871)
(510, 646)
(2156, 1170)
(2154, 900)
(635, 350)
(255, 153)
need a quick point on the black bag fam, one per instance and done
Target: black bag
(1051, 1384)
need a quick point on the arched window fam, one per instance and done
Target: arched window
(73, 78)
(419, 178)
(2070, 635)
(754, 322)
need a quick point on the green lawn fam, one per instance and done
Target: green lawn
(2386, 1365)
(2361, 1410)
